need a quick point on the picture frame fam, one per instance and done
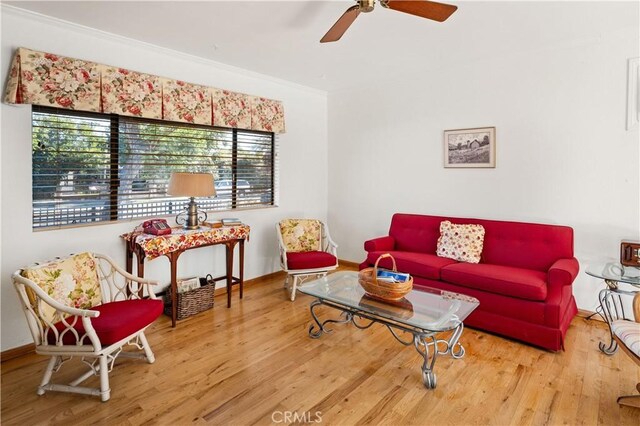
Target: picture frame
(470, 148)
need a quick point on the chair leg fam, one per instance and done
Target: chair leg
(147, 349)
(630, 401)
(286, 280)
(46, 378)
(105, 392)
(293, 288)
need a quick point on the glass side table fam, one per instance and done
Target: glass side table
(611, 307)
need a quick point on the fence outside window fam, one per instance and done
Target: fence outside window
(90, 167)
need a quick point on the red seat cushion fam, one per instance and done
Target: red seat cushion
(506, 280)
(418, 264)
(117, 320)
(310, 260)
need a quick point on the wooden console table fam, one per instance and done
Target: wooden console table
(180, 240)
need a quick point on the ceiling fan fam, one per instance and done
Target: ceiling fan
(423, 8)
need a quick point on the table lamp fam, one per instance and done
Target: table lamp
(191, 185)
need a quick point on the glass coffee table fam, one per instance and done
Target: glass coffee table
(423, 314)
(611, 306)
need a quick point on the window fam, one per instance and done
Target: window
(91, 167)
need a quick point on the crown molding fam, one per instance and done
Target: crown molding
(46, 19)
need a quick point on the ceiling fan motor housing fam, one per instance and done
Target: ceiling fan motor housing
(366, 5)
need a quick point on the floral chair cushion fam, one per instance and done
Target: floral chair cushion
(299, 235)
(460, 242)
(72, 281)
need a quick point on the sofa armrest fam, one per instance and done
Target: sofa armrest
(563, 271)
(380, 244)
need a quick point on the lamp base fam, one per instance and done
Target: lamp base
(190, 216)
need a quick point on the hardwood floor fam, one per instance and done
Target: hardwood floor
(253, 363)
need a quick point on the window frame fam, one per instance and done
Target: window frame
(114, 164)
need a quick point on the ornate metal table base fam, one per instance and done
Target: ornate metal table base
(425, 341)
(611, 309)
(611, 298)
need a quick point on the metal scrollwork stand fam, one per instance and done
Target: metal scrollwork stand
(191, 216)
(425, 341)
(611, 309)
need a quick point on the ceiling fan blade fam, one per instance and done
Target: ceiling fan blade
(425, 9)
(341, 25)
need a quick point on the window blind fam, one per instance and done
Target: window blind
(90, 167)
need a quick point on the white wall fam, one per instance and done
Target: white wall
(303, 152)
(563, 154)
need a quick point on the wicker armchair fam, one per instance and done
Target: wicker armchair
(627, 334)
(86, 306)
(306, 250)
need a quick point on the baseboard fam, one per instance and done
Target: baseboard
(257, 280)
(17, 352)
(584, 313)
(265, 277)
(348, 264)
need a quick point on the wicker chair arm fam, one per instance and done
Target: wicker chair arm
(126, 274)
(331, 246)
(283, 257)
(281, 248)
(122, 288)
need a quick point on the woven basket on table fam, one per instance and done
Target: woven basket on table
(383, 290)
(191, 302)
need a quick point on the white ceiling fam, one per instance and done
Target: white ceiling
(281, 38)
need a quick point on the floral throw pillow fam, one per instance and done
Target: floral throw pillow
(300, 235)
(460, 242)
(72, 281)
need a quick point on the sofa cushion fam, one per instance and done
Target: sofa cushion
(516, 282)
(460, 242)
(117, 320)
(310, 260)
(415, 233)
(419, 264)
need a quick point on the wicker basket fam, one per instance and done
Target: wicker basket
(191, 302)
(383, 290)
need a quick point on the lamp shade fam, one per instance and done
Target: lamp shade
(191, 184)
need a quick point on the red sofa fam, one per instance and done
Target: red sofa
(523, 280)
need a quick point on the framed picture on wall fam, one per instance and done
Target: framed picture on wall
(470, 147)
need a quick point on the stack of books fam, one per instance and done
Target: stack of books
(231, 221)
(213, 224)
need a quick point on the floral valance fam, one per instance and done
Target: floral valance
(40, 78)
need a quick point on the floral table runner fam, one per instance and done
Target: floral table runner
(182, 239)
